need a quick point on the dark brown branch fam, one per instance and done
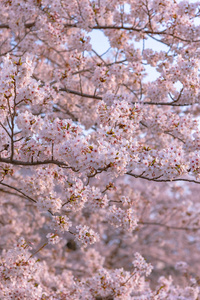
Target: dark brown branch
(166, 103)
(80, 94)
(143, 30)
(33, 163)
(100, 170)
(115, 27)
(27, 25)
(4, 26)
(100, 98)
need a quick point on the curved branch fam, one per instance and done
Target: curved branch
(14, 188)
(37, 163)
(163, 32)
(156, 179)
(101, 98)
(33, 163)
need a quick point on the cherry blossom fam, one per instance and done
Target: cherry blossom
(99, 149)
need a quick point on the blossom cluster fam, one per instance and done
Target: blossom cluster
(99, 150)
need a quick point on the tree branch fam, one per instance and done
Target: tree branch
(162, 180)
(14, 188)
(169, 226)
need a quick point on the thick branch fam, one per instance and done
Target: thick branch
(100, 170)
(33, 163)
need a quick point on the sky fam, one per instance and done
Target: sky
(100, 44)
